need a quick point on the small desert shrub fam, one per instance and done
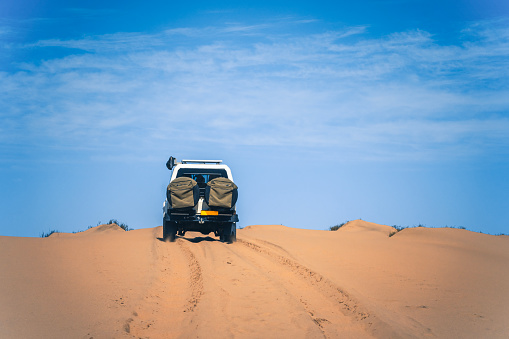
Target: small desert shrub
(121, 225)
(398, 229)
(458, 227)
(45, 235)
(337, 227)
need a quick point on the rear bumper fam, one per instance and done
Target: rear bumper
(193, 217)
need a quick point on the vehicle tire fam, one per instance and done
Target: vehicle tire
(233, 237)
(229, 233)
(169, 231)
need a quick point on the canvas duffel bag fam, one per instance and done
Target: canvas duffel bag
(183, 192)
(221, 193)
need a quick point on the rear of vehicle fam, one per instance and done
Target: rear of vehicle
(201, 197)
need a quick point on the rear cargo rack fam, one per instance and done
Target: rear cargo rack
(202, 161)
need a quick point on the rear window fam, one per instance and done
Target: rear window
(202, 175)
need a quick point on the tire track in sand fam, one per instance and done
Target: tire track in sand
(241, 300)
(170, 303)
(196, 278)
(342, 315)
(252, 288)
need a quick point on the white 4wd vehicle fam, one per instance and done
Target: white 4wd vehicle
(201, 197)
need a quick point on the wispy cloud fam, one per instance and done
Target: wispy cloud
(400, 96)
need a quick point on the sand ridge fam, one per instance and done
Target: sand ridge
(275, 282)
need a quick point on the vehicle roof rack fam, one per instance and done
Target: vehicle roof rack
(202, 161)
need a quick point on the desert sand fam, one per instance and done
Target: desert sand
(274, 282)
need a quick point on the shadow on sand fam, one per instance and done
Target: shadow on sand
(194, 240)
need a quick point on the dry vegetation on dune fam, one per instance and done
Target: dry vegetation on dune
(356, 282)
(111, 222)
(398, 228)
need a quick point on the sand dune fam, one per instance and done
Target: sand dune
(274, 282)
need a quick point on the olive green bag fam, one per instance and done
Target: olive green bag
(183, 192)
(221, 193)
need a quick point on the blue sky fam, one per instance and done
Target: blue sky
(396, 112)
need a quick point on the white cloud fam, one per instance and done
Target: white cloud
(401, 96)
